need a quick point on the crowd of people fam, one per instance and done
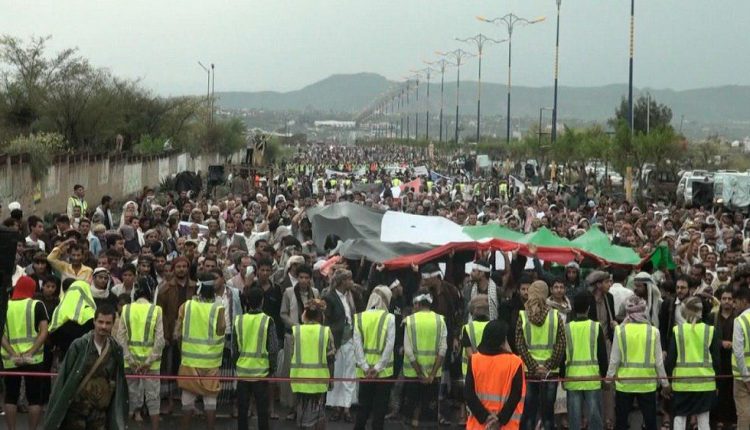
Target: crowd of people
(198, 301)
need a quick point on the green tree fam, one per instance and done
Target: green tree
(62, 93)
(659, 147)
(648, 114)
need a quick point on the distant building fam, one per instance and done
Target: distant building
(335, 124)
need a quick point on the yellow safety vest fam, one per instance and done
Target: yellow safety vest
(202, 348)
(430, 184)
(475, 330)
(140, 320)
(372, 327)
(540, 340)
(309, 358)
(77, 305)
(581, 358)
(694, 357)
(78, 202)
(744, 322)
(424, 330)
(21, 331)
(252, 339)
(503, 188)
(637, 342)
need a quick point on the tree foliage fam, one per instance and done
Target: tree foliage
(89, 107)
(648, 114)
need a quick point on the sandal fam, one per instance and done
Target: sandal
(444, 422)
(274, 417)
(291, 416)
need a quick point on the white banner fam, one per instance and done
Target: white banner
(421, 171)
(357, 173)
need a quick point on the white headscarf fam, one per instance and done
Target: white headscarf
(125, 209)
(380, 298)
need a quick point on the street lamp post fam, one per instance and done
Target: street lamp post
(416, 111)
(427, 110)
(480, 39)
(557, 61)
(458, 55)
(441, 63)
(509, 21)
(401, 114)
(390, 124)
(631, 114)
(213, 81)
(408, 127)
(426, 71)
(208, 89)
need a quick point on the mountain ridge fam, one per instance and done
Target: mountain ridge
(352, 93)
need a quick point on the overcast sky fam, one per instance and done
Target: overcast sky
(287, 44)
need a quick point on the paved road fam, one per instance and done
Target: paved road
(227, 423)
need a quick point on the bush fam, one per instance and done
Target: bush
(42, 146)
(149, 145)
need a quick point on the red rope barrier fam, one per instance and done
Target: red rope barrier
(378, 380)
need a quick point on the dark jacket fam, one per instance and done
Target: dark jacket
(336, 316)
(71, 374)
(609, 317)
(666, 322)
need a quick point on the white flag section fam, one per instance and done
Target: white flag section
(433, 230)
(421, 171)
(519, 184)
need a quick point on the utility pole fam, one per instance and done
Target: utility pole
(479, 40)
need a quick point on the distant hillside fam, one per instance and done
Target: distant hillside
(353, 93)
(337, 93)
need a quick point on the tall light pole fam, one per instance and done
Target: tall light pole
(509, 21)
(401, 114)
(441, 63)
(479, 40)
(208, 89)
(394, 107)
(408, 127)
(213, 100)
(426, 71)
(416, 110)
(631, 114)
(458, 55)
(557, 61)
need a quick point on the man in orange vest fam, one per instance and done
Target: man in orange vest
(495, 385)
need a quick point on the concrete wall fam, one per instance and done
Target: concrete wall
(119, 176)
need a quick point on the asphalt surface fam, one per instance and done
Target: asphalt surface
(225, 422)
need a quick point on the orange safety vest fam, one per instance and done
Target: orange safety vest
(493, 377)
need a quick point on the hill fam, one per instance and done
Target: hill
(353, 93)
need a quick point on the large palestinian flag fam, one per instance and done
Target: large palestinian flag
(398, 239)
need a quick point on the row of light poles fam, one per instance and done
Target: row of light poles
(509, 22)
